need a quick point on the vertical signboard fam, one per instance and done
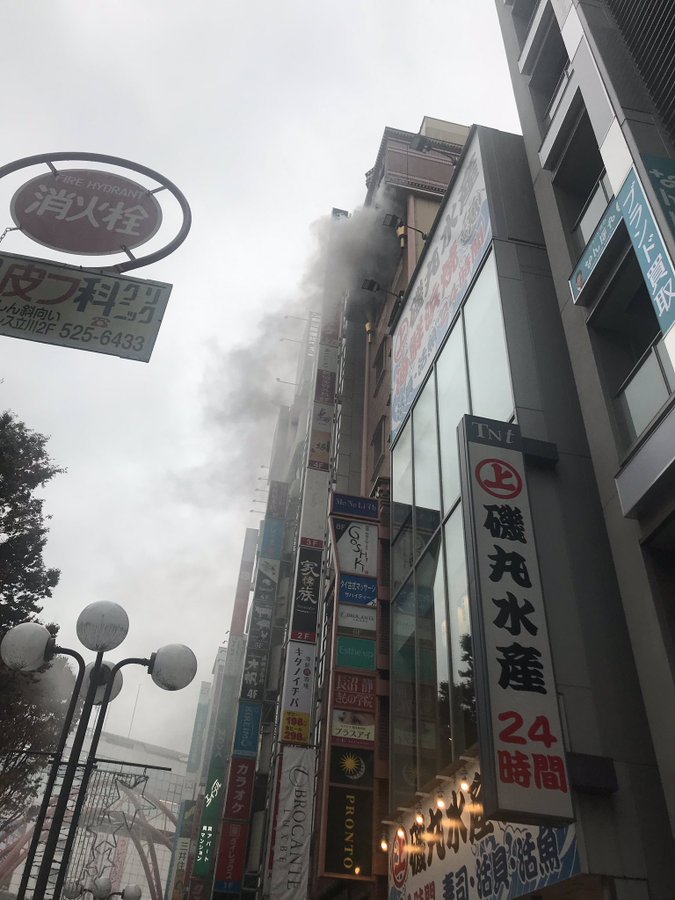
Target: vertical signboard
(231, 857)
(239, 788)
(524, 771)
(347, 814)
(306, 595)
(290, 865)
(350, 827)
(248, 729)
(356, 547)
(297, 696)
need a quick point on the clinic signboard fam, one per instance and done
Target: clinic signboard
(524, 772)
(63, 305)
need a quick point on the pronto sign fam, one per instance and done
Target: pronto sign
(86, 211)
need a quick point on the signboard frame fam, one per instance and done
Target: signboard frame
(524, 771)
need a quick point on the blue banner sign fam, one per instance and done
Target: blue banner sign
(357, 589)
(662, 177)
(361, 507)
(272, 539)
(248, 729)
(631, 207)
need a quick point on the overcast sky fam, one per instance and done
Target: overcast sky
(266, 115)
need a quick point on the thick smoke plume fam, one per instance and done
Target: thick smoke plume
(241, 388)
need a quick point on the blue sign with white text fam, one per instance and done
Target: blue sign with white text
(248, 729)
(632, 208)
(363, 507)
(272, 542)
(357, 589)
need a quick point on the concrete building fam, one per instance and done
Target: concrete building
(595, 89)
(465, 561)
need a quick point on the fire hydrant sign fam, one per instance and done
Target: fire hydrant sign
(86, 211)
(63, 305)
(524, 770)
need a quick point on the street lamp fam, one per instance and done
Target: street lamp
(393, 221)
(100, 889)
(101, 626)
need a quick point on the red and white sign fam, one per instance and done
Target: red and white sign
(86, 211)
(231, 855)
(354, 692)
(239, 788)
(524, 772)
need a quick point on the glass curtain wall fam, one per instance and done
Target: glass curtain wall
(433, 716)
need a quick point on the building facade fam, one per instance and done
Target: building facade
(466, 557)
(594, 85)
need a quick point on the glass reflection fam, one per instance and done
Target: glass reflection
(463, 698)
(489, 373)
(433, 664)
(427, 481)
(403, 701)
(453, 403)
(401, 509)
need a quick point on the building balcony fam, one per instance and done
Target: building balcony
(645, 391)
(592, 212)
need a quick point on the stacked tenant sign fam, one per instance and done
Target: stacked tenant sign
(347, 822)
(290, 834)
(241, 779)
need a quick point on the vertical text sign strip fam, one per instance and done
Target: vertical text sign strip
(525, 776)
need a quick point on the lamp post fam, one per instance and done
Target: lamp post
(101, 626)
(100, 889)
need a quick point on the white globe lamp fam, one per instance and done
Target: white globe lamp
(103, 679)
(174, 666)
(24, 647)
(102, 626)
(132, 892)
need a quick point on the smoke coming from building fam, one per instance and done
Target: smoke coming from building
(241, 387)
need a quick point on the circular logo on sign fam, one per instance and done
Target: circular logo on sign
(399, 859)
(86, 211)
(499, 478)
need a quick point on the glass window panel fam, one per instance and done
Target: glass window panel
(453, 403)
(433, 727)
(403, 705)
(463, 700)
(427, 481)
(401, 509)
(489, 375)
(644, 395)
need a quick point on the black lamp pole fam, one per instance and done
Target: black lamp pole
(90, 764)
(68, 778)
(56, 764)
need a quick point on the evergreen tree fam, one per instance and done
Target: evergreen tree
(31, 705)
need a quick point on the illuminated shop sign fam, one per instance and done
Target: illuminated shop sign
(457, 853)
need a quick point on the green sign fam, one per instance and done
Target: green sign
(355, 653)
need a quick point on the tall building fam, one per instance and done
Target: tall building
(465, 561)
(595, 88)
